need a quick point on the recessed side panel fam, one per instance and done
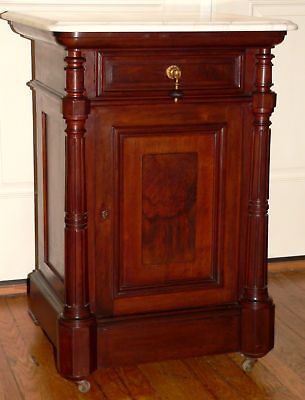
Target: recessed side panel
(54, 189)
(170, 179)
(50, 188)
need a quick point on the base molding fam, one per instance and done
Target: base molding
(182, 334)
(76, 350)
(44, 304)
(13, 288)
(86, 344)
(257, 328)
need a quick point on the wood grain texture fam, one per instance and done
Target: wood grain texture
(158, 39)
(76, 325)
(257, 307)
(169, 185)
(28, 371)
(219, 153)
(171, 179)
(132, 74)
(134, 340)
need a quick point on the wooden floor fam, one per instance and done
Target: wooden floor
(27, 368)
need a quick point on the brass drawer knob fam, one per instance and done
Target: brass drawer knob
(174, 72)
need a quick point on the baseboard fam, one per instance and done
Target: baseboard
(288, 258)
(17, 287)
(281, 264)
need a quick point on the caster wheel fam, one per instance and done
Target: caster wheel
(83, 386)
(248, 364)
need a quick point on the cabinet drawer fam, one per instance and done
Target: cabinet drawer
(144, 74)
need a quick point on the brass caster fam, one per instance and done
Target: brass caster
(248, 364)
(83, 386)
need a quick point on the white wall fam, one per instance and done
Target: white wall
(16, 171)
(287, 227)
(287, 184)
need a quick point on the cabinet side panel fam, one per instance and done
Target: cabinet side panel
(49, 65)
(50, 188)
(54, 193)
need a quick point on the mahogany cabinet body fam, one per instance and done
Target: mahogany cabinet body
(151, 214)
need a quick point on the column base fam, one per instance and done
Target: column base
(257, 328)
(76, 348)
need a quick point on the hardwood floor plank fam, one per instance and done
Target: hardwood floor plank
(236, 377)
(286, 292)
(286, 316)
(9, 388)
(287, 345)
(287, 375)
(42, 352)
(296, 278)
(174, 381)
(25, 371)
(138, 385)
(266, 379)
(110, 385)
(209, 376)
(40, 355)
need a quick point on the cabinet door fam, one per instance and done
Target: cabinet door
(169, 181)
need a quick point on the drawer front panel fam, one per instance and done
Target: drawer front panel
(147, 73)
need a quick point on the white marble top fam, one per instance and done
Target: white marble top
(122, 20)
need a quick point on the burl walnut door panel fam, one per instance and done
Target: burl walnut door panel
(171, 188)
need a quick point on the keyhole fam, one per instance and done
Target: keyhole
(105, 214)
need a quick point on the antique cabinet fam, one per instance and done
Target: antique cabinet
(152, 164)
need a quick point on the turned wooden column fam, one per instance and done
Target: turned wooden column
(77, 328)
(257, 307)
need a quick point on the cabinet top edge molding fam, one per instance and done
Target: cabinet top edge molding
(142, 19)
